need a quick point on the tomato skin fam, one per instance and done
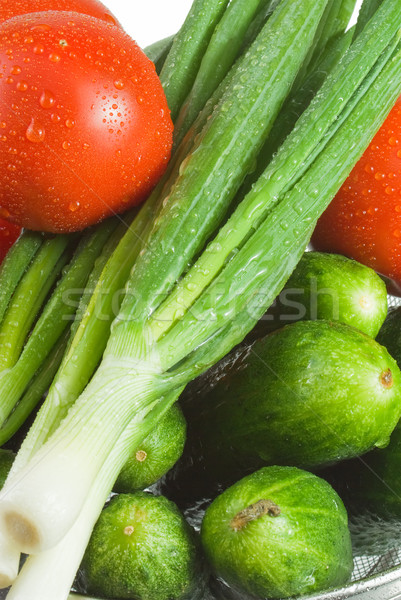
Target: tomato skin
(85, 130)
(13, 8)
(364, 219)
(9, 233)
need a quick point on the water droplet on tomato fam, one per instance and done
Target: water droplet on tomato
(393, 141)
(3, 124)
(22, 86)
(73, 206)
(16, 70)
(379, 176)
(66, 145)
(9, 80)
(47, 99)
(69, 123)
(139, 99)
(55, 118)
(29, 39)
(11, 167)
(119, 84)
(35, 132)
(54, 57)
(389, 190)
(85, 146)
(38, 49)
(397, 233)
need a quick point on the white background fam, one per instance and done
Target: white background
(149, 20)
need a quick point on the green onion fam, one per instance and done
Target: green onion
(15, 265)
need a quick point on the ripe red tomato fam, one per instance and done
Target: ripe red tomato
(85, 130)
(12, 8)
(364, 219)
(9, 233)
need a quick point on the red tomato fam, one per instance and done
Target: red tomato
(364, 219)
(9, 233)
(12, 8)
(85, 131)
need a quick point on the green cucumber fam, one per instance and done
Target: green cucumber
(309, 394)
(331, 287)
(159, 451)
(277, 533)
(142, 548)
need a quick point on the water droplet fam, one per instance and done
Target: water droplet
(379, 176)
(397, 233)
(4, 213)
(73, 206)
(9, 80)
(55, 118)
(54, 57)
(114, 106)
(38, 49)
(47, 99)
(85, 146)
(69, 123)
(16, 70)
(3, 124)
(393, 141)
(22, 86)
(119, 84)
(66, 145)
(139, 99)
(35, 132)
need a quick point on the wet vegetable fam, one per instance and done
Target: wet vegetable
(141, 548)
(277, 533)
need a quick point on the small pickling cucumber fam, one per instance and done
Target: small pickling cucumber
(309, 394)
(141, 548)
(156, 455)
(277, 533)
(334, 288)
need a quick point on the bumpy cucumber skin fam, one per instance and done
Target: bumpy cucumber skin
(305, 549)
(6, 461)
(141, 548)
(162, 448)
(307, 395)
(334, 288)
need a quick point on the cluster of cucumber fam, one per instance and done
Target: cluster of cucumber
(310, 388)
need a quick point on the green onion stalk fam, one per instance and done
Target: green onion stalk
(166, 333)
(90, 328)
